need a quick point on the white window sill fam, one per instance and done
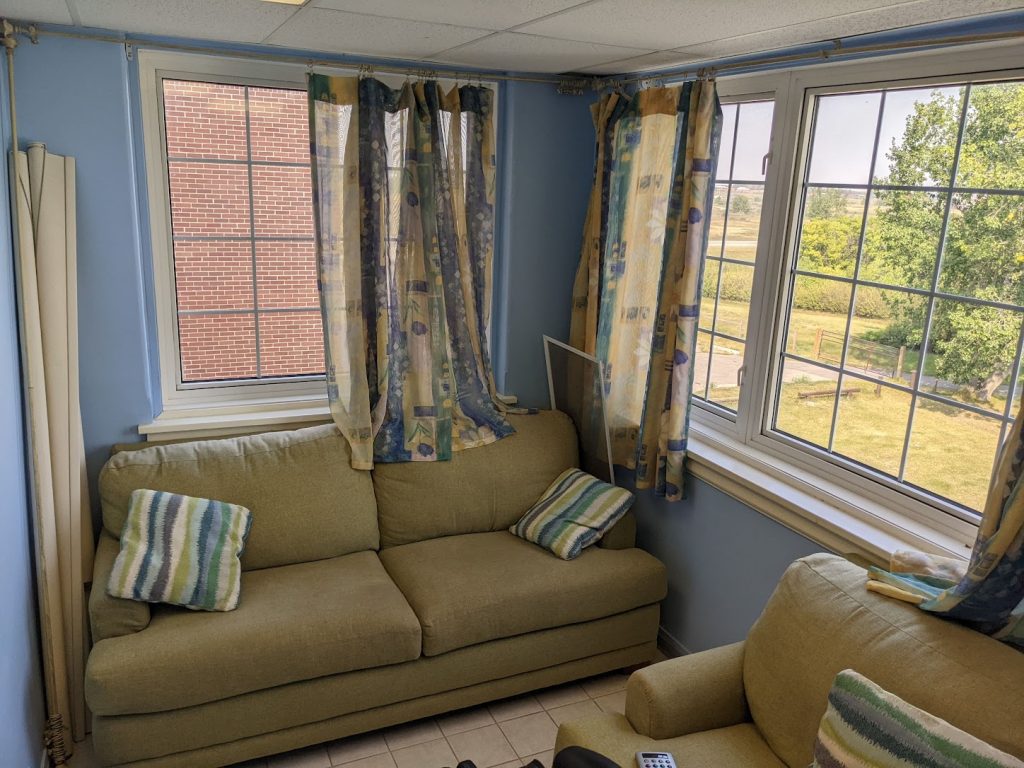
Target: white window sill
(824, 511)
(234, 419)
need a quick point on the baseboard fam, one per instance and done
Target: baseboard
(670, 645)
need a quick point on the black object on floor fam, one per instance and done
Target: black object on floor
(471, 764)
(579, 757)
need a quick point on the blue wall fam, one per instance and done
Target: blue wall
(547, 168)
(91, 121)
(723, 561)
(21, 686)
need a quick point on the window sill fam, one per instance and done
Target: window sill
(824, 511)
(234, 419)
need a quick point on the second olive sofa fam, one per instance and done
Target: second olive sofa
(368, 599)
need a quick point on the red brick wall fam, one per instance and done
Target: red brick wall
(239, 262)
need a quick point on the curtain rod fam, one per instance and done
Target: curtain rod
(576, 85)
(838, 50)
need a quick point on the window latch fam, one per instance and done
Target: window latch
(740, 375)
(764, 162)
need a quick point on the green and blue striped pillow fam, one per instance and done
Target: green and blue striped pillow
(868, 727)
(573, 513)
(181, 550)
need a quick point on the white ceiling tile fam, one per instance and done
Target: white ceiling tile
(664, 24)
(342, 32)
(246, 21)
(530, 53)
(43, 11)
(656, 60)
(903, 15)
(486, 14)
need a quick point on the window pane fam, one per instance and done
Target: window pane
(213, 275)
(700, 370)
(984, 255)
(716, 227)
(204, 120)
(279, 126)
(744, 222)
(291, 343)
(817, 318)
(993, 152)
(286, 275)
(872, 424)
(734, 300)
(209, 199)
(961, 474)
(724, 171)
(709, 290)
(918, 136)
(901, 241)
(753, 137)
(971, 352)
(282, 201)
(844, 135)
(214, 347)
(886, 333)
(726, 360)
(830, 233)
(806, 401)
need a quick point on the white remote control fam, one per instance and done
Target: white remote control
(654, 760)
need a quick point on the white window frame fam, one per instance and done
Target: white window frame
(205, 409)
(836, 502)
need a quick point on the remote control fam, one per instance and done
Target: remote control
(654, 760)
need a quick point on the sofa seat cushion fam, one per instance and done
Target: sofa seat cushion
(611, 735)
(294, 622)
(477, 587)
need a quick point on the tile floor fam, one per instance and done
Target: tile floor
(504, 734)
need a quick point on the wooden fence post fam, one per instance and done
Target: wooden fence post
(900, 358)
(817, 343)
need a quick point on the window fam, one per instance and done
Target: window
(241, 232)
(905, 308)
(732, 248)
(862, 317)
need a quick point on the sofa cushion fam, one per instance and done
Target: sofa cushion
(481, 489)
(821, 620)
(294, 622)
(482, 586)
(307, 503)
(738, 746)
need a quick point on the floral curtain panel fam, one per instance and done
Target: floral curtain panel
(637, 289)
(987, 594)
(404, 202)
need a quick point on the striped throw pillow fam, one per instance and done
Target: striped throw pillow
(573, 513)
(868, 727)
(181, 550)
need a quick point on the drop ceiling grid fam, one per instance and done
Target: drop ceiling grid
(591, 36)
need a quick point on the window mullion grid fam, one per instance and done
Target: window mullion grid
(936, 274)
(721, 255)
(856, 274)
(1011, 386)
(252, 235)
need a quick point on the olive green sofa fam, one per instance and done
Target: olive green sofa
(758, 703)
(368, 599)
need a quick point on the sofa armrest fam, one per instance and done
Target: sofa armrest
(622, 535)
(692, 693)
(112, 616)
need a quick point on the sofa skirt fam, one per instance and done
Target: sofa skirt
(312, 711)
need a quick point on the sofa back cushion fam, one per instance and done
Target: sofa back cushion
(822, 620)
(480, 489)
(307, 502)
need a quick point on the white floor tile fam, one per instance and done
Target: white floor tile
(512, 708)
(545, 758)
(613, 703)
(530, 734)
(376, 761)
(310, 757)
(429, 754)
(465, 720)
(356, 748)
(605, 684)
(486, 747)
(575, 711)
(561, 695)
(407, 735)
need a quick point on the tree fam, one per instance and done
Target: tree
(983, 255)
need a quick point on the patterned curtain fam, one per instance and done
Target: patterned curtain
(988, 594)
(403, 184)
(637, 289)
